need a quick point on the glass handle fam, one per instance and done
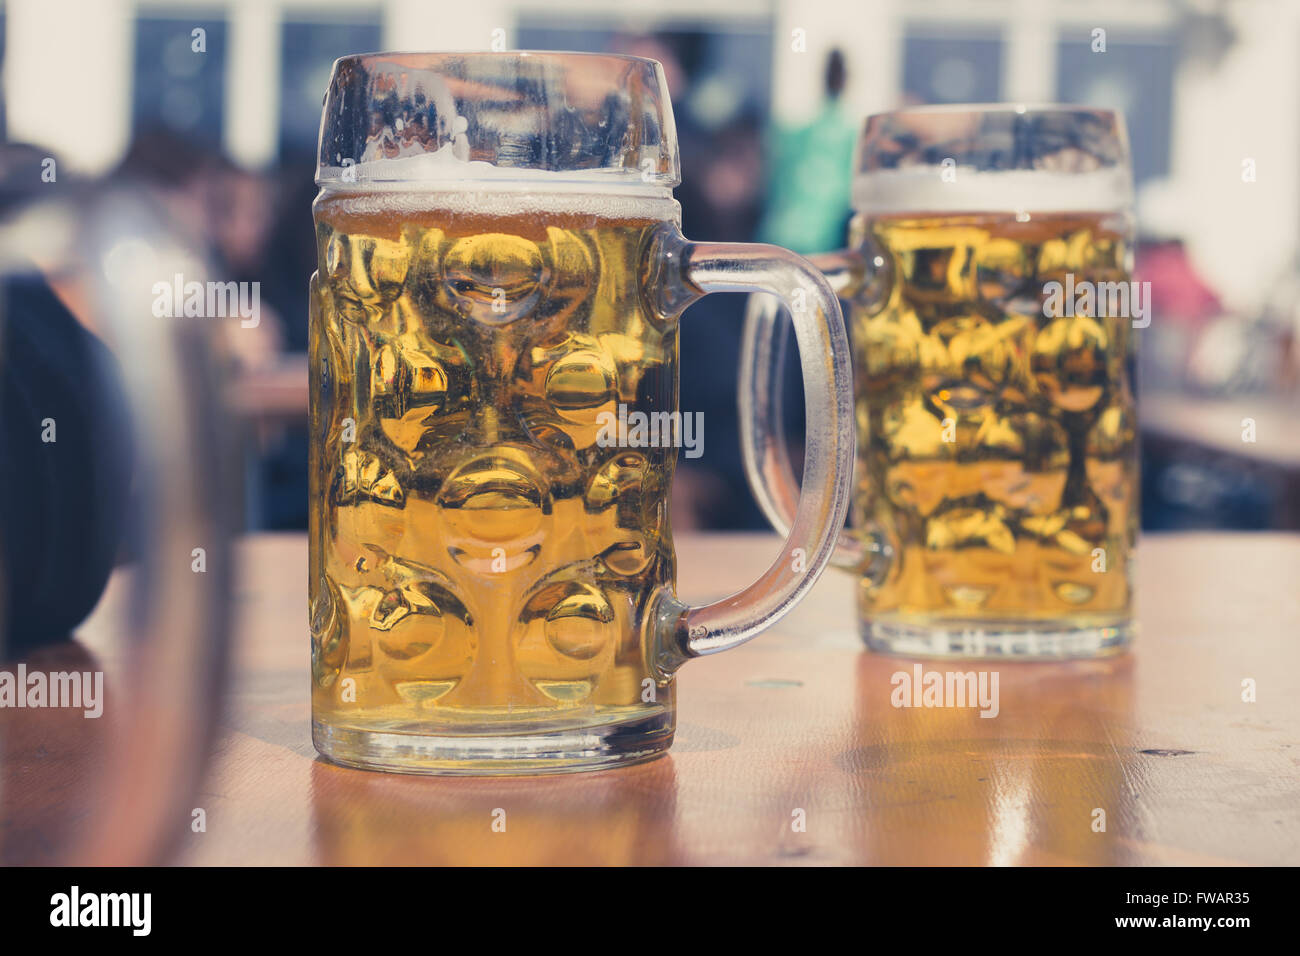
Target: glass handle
(685, 271)
(762, 432)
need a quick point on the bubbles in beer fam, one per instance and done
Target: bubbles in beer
(493, 278)
(478, 556)
(997, 445)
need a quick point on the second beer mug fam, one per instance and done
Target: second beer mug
(494, 415)
(991, 313)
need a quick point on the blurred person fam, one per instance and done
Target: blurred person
(290, 254)
(249, 228)
(241, 215)
(1177, 290)
(288, 262)
(811, 174)
(66, 473)
(807, 206)
(218, 212)
(720, 199)
(721, 196)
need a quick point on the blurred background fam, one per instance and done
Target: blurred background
(212, 108)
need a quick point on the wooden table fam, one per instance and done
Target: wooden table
(1215, 424)
(798, 725)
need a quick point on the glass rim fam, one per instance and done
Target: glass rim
(1010, 106)
(432, 56)
(423, 119)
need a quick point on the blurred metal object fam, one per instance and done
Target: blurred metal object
(1239, 355)
(175, 642)
(1233, 355)
(1281, 315)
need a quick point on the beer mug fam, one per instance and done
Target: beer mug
(990, 309)
(494, 417)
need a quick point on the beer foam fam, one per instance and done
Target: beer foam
(474, 196)
(444, 169)
(924, 189)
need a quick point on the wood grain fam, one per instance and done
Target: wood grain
(800, 720)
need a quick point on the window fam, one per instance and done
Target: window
(179, 77)
(308, 51)
(1136, 77)
(952, 69)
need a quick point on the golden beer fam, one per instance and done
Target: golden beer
(480, 556)
(997, 450)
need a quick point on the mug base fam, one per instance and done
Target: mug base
(998, 640)
(581, 748)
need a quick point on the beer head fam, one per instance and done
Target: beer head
(997, 158)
